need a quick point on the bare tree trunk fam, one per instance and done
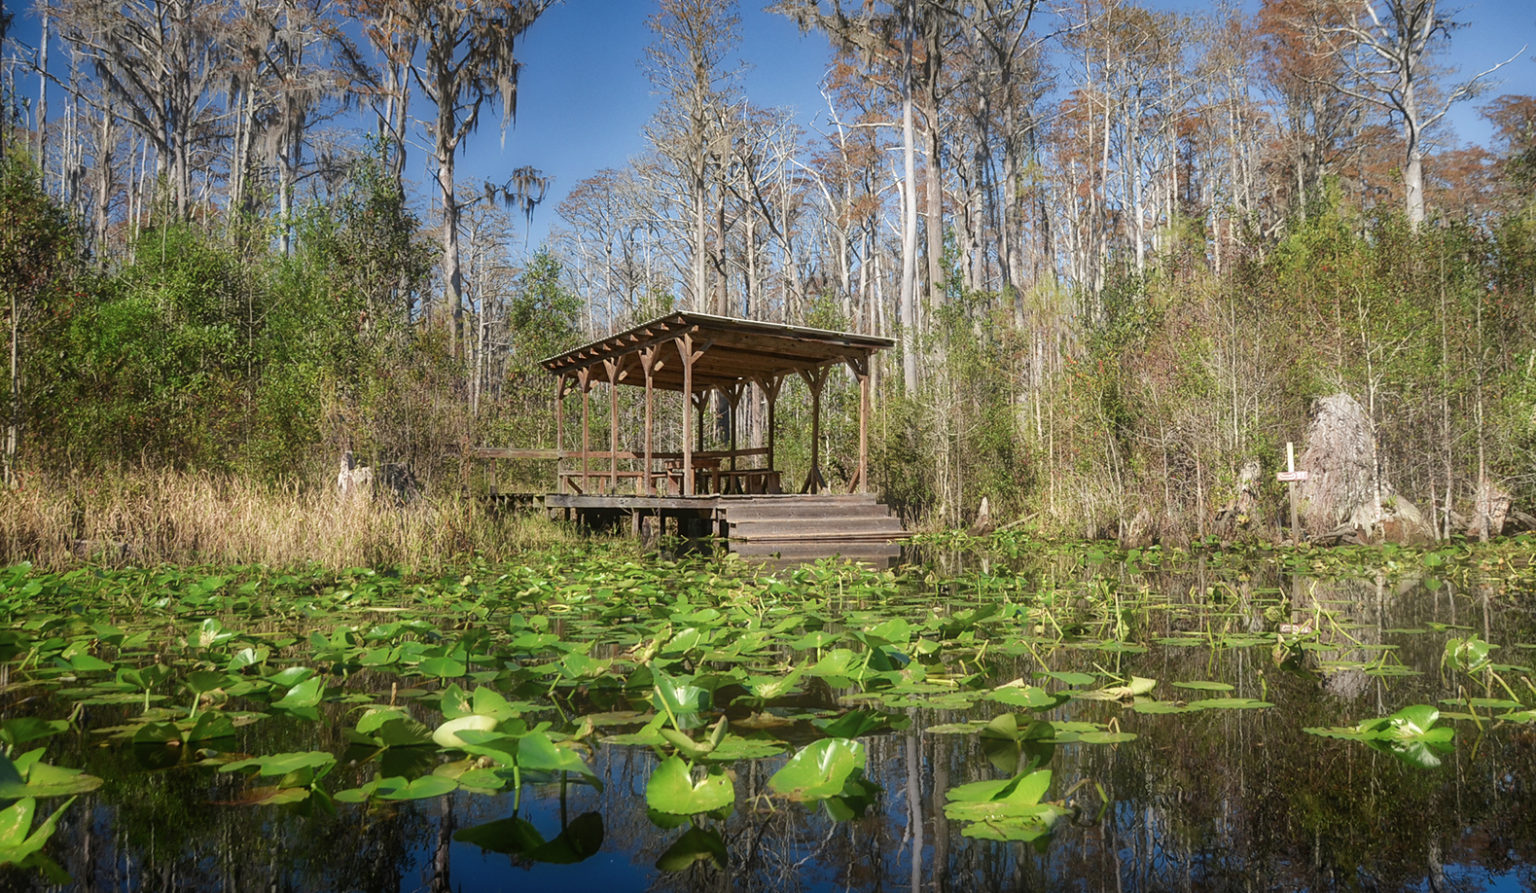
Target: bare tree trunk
(42, 97)
(13, 421)
(453, 275)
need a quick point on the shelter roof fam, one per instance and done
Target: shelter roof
(728, 351)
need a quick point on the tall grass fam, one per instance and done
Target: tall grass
(150, 517)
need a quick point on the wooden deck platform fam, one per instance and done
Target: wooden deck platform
(759, 524)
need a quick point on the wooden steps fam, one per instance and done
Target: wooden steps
(812, 522)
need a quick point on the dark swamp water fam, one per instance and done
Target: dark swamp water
(1169, 697)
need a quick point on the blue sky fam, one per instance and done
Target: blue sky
(584, 98)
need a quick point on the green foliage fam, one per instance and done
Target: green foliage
(39, 290)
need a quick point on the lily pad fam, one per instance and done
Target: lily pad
(672, 789)
(819, 769)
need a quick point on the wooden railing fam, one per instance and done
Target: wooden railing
(715, 471)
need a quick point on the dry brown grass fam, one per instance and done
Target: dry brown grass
(197, 518)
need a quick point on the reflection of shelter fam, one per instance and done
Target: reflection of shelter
(694, 356)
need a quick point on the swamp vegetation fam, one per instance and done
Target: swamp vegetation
(998, 713)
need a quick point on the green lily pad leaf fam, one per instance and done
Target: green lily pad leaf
(424, 788)
(29, 778)
(678, 696)
(20, 843)
(247, 657)
(290, 676)
(1069, 677)
(734, 747)
(89, 663)
(1469, 655)
(397, 731)
(694, 846)
(536, 751)
(1484, 703)
(23, 729)
(855, 723)
(1409, 734)
(1203, 686)
(671, 789)
(1229, 704)
(303, 695)
(837, 662)
(442, 667)
(210, 725)
(1032, 697)
(819, 769)
(812, 640)
(1007, 809)
(157, 733)
(281, 764)
(274, 796)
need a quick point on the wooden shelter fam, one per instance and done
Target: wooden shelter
(694, 355)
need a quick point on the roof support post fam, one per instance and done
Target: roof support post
(611, 367)
(771, 388)
(815, 379)
(584, 380)
(648, 365)
(685, 351)
(733, 394)
(560, 384)
(860, 367)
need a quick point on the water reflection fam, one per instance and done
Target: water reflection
(1212, 800)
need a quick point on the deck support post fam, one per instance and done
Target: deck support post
(815, 379)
